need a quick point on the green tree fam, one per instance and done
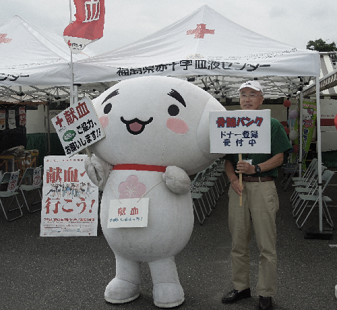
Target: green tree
(321, 46)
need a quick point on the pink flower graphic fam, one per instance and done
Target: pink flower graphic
(3, 38)
(131, 188)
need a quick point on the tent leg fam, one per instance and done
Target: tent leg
(320, 234)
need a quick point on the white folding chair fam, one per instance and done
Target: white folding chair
(199, 186)
(307, 187)
(31, 181)
(314, 198)
(198, 196)
(308, 172)
(9, 189)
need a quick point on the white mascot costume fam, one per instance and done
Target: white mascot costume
(157, 133)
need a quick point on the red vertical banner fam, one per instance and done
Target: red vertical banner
(2, 119)
(87, 27)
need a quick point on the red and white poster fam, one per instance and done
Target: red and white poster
(2, 119)
(70, 199)
(87, 27)
(22, 115)
(328, 112)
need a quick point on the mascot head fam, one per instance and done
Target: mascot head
(156, 121)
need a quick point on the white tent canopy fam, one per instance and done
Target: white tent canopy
(31, 57)
(206, 43)
(34, 64)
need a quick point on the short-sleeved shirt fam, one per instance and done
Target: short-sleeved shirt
(279, 144)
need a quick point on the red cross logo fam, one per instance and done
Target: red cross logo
(3, 38)
(59, 121)
(200, 31)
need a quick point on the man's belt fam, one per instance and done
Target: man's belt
(257, 179)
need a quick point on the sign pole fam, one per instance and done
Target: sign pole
(240, 179)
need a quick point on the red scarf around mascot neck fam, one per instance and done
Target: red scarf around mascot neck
(139, 167)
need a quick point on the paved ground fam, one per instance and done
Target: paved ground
(71, 273)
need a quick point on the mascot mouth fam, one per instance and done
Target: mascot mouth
(136, 126)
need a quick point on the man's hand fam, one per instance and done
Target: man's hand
(245, 167)
(236, 187)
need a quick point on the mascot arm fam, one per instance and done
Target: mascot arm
(177, 180)
(98, 170)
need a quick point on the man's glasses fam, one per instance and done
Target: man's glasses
(251, 96)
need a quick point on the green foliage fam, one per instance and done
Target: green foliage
(321, 46)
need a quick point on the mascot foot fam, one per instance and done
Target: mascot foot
(120, 291)
(168, 295)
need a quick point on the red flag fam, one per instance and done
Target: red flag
(87, 27)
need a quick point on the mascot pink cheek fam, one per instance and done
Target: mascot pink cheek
(104, 121)
(177, 125)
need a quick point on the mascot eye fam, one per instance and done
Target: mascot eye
(173, 110)
(107, 108)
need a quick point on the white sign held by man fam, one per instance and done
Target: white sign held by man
(240, 132)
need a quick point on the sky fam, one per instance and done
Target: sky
(294, 22)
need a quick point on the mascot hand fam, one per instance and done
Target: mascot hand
(177, 180)
(98, 170)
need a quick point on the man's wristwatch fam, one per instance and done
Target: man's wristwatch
(257, 169)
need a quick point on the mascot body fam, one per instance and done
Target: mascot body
(157, 133)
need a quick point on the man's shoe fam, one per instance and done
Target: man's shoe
(235, 295)
(265, 303)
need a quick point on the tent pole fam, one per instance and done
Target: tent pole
(300, 129)
(72, 79)
(75, 93)
(319, 154)
(320, 234)
(45, 126)
(71, 65)
(48, 127)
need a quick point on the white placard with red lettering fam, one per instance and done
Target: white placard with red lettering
(13, 181)
(37, 176)
(240, 132)
(78, 127)
(128, 212)
(70, 199)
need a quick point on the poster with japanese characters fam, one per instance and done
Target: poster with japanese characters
(11, 119)
(70, 199)
(78, 127)
(22, 116)
(240, 131)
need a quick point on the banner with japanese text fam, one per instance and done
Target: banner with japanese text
(88, 26)
(309, 115)
(70, 199)
(240, 131)
(78, 127)
(11, 119)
